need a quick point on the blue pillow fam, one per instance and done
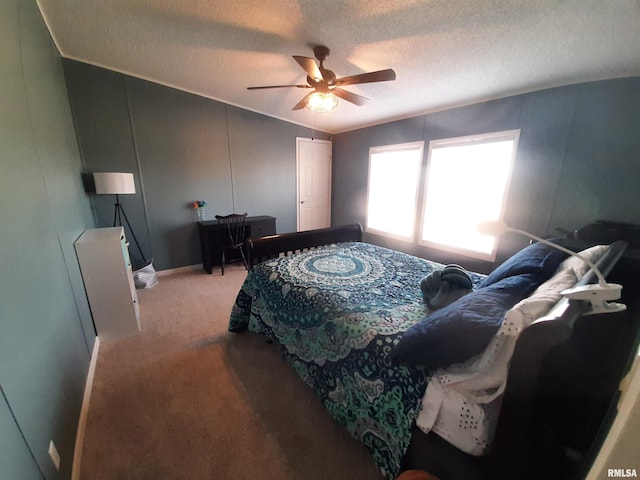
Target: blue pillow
(536, 258)
(464, 328)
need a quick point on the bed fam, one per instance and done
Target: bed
(416, 386)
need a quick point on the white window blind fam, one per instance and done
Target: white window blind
(467, 183)
(394, 173)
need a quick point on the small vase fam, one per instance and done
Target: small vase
(202, 214)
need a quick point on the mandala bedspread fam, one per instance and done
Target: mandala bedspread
(337, 311)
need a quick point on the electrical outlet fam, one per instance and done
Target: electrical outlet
(53, 453)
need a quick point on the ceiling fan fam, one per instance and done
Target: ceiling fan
(326, 87)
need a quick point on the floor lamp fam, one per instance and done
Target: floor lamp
(112, 183)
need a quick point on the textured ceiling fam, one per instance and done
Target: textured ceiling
(446, 53)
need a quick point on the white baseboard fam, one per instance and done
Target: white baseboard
(82, 421)
(171, 271)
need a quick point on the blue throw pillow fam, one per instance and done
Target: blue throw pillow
(536, 258)
(464, 328)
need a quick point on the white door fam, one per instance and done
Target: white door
(314, 183)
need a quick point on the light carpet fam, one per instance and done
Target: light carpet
(185, 399)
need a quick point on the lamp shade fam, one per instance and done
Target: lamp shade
(112, 183)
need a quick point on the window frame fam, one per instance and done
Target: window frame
(419, 146)
(512, 135)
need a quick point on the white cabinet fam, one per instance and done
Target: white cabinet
(103, 255)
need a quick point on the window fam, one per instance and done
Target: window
(467, 183)
(394, 172)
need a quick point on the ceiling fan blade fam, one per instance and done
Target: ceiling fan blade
(279, 86)
(350, 97)
(310, 66)
(302, 103)
(379, 76)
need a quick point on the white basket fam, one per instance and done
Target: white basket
(145, 277)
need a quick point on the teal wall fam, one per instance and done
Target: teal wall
(181, 148)
(46, 333)
(577, 159)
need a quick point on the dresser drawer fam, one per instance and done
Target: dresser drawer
(262, 228)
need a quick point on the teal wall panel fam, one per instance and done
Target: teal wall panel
(182, 148)
(182, 145)
(15, 457)
(46, 333)
(576, 161)
(349, 176)
(263, 150)
(545, 125)
(601, 165)
(106, 143)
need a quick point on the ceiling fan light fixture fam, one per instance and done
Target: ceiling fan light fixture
(321, 102)
(327, 88)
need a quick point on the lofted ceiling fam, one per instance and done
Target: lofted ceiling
(446, 53)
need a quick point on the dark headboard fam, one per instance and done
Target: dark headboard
(273, 246)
